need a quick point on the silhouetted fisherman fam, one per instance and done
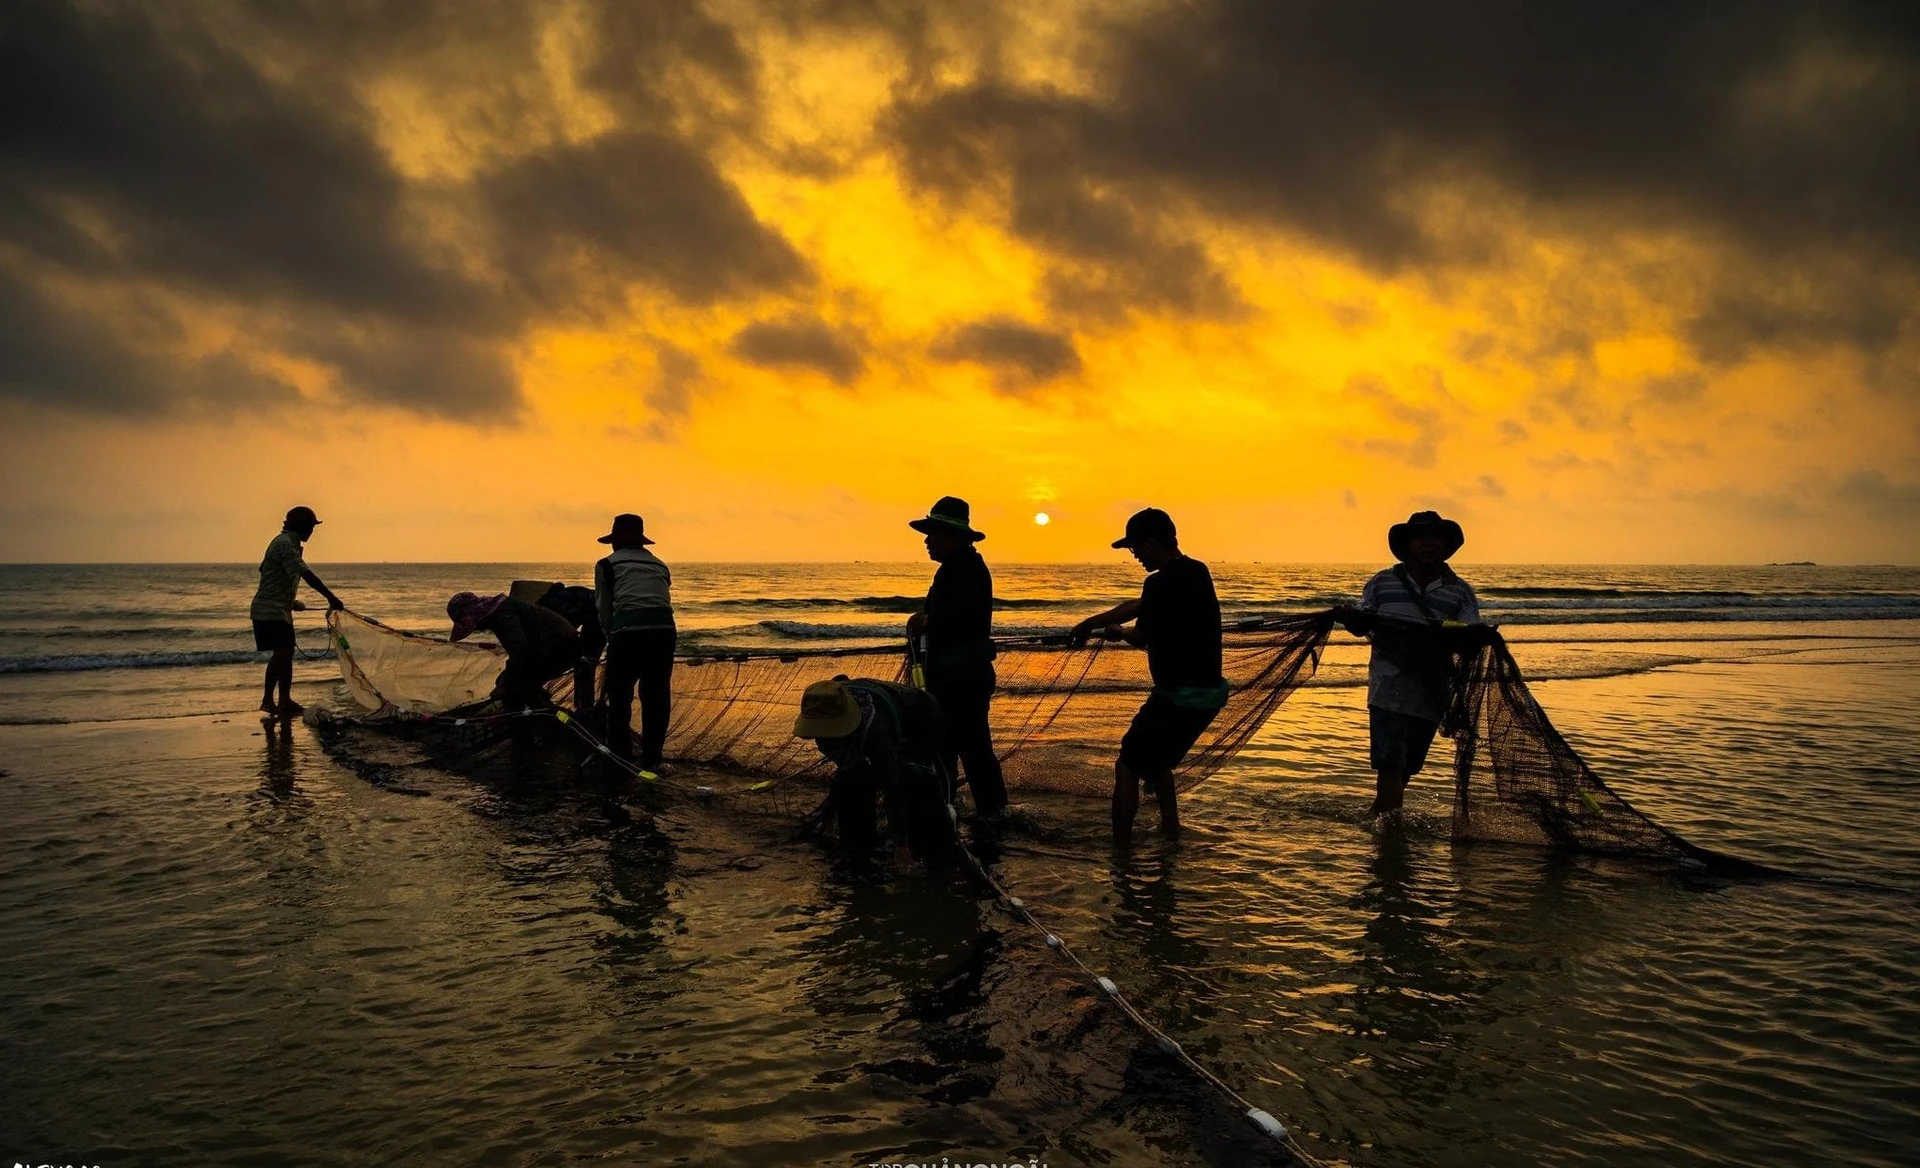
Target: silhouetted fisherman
(1177, 621)
(1416, 614)
(633, 591)
(576, 604)
(275, 602)
(884, 741)
(957, 622)
(540, 644)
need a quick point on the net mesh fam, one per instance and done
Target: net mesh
(1059, 714)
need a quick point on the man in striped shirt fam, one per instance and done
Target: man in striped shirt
(1406, 610)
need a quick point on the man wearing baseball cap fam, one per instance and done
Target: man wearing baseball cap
(274, 604)
(1177, 621)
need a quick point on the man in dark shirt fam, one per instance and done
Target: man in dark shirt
(884, 741)
(575, 603)
(957, 622)
(1177, 620)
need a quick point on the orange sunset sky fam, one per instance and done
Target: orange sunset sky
(1606, 283)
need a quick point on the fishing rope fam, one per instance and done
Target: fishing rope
(1261, 1119)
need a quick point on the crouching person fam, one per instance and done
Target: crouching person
(884, 741)
(540, 644)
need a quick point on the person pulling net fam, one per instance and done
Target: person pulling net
(1061, 709)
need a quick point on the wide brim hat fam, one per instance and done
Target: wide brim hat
(827, 710)
(627, 529)
(949, 515)
(1400, 534)
(468, 610)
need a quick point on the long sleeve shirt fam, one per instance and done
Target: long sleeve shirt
(960, 614)
(633, 589)
(1408, 672)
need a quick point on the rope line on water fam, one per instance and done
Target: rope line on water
(1261, 1119)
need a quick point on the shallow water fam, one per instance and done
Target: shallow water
(225, 946)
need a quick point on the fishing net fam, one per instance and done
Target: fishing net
(1059, 714)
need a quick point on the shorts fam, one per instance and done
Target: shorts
(1399, 741)
(273, 634)
(1160, 737)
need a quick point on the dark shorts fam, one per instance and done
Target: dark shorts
(273, 634)
(1161, 735)
(1399, 741)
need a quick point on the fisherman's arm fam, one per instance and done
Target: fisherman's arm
(603, 593)
(883, 762)
(1359, 620)
(1119, 614)
(313, 581)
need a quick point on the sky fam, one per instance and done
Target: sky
(1606, 282)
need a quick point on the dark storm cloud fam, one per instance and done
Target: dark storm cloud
(207, 173)
(222, 152)
(801, 342)
(636, 207)
(1870, 491)
(1021, 353)
(52, 356)
(1785, 127)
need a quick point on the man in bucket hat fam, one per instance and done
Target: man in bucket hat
(884, 741)
(1408, 611)
(1177, 621)
(957, 625)
(274, 603)
(634, 592)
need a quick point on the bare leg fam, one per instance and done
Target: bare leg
(1169, 809)
(266, 692)
(1389, 791)
(282, 665)
(1126, 804)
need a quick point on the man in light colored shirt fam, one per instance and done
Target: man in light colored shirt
(633, 591)
(274, 604)
(1408, 610)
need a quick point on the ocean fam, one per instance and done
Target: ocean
(225, 945)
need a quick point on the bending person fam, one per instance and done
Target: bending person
(957, 622)
(275, 602)
(884, 741)
(1177, 621)
(540, 644)
(1406, 610)
(633, 592)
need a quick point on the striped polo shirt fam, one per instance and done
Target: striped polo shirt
(1399, 677)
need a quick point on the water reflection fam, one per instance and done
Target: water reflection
(916, 949)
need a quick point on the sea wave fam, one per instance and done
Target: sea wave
(893, 604)
(82, 662)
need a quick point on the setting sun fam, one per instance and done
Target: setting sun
(1042, 519)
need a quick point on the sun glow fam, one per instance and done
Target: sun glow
(1041, 519)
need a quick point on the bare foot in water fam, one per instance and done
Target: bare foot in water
(291, 709)
(269, 709)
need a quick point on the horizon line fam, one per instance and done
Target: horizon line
(1001, 563)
